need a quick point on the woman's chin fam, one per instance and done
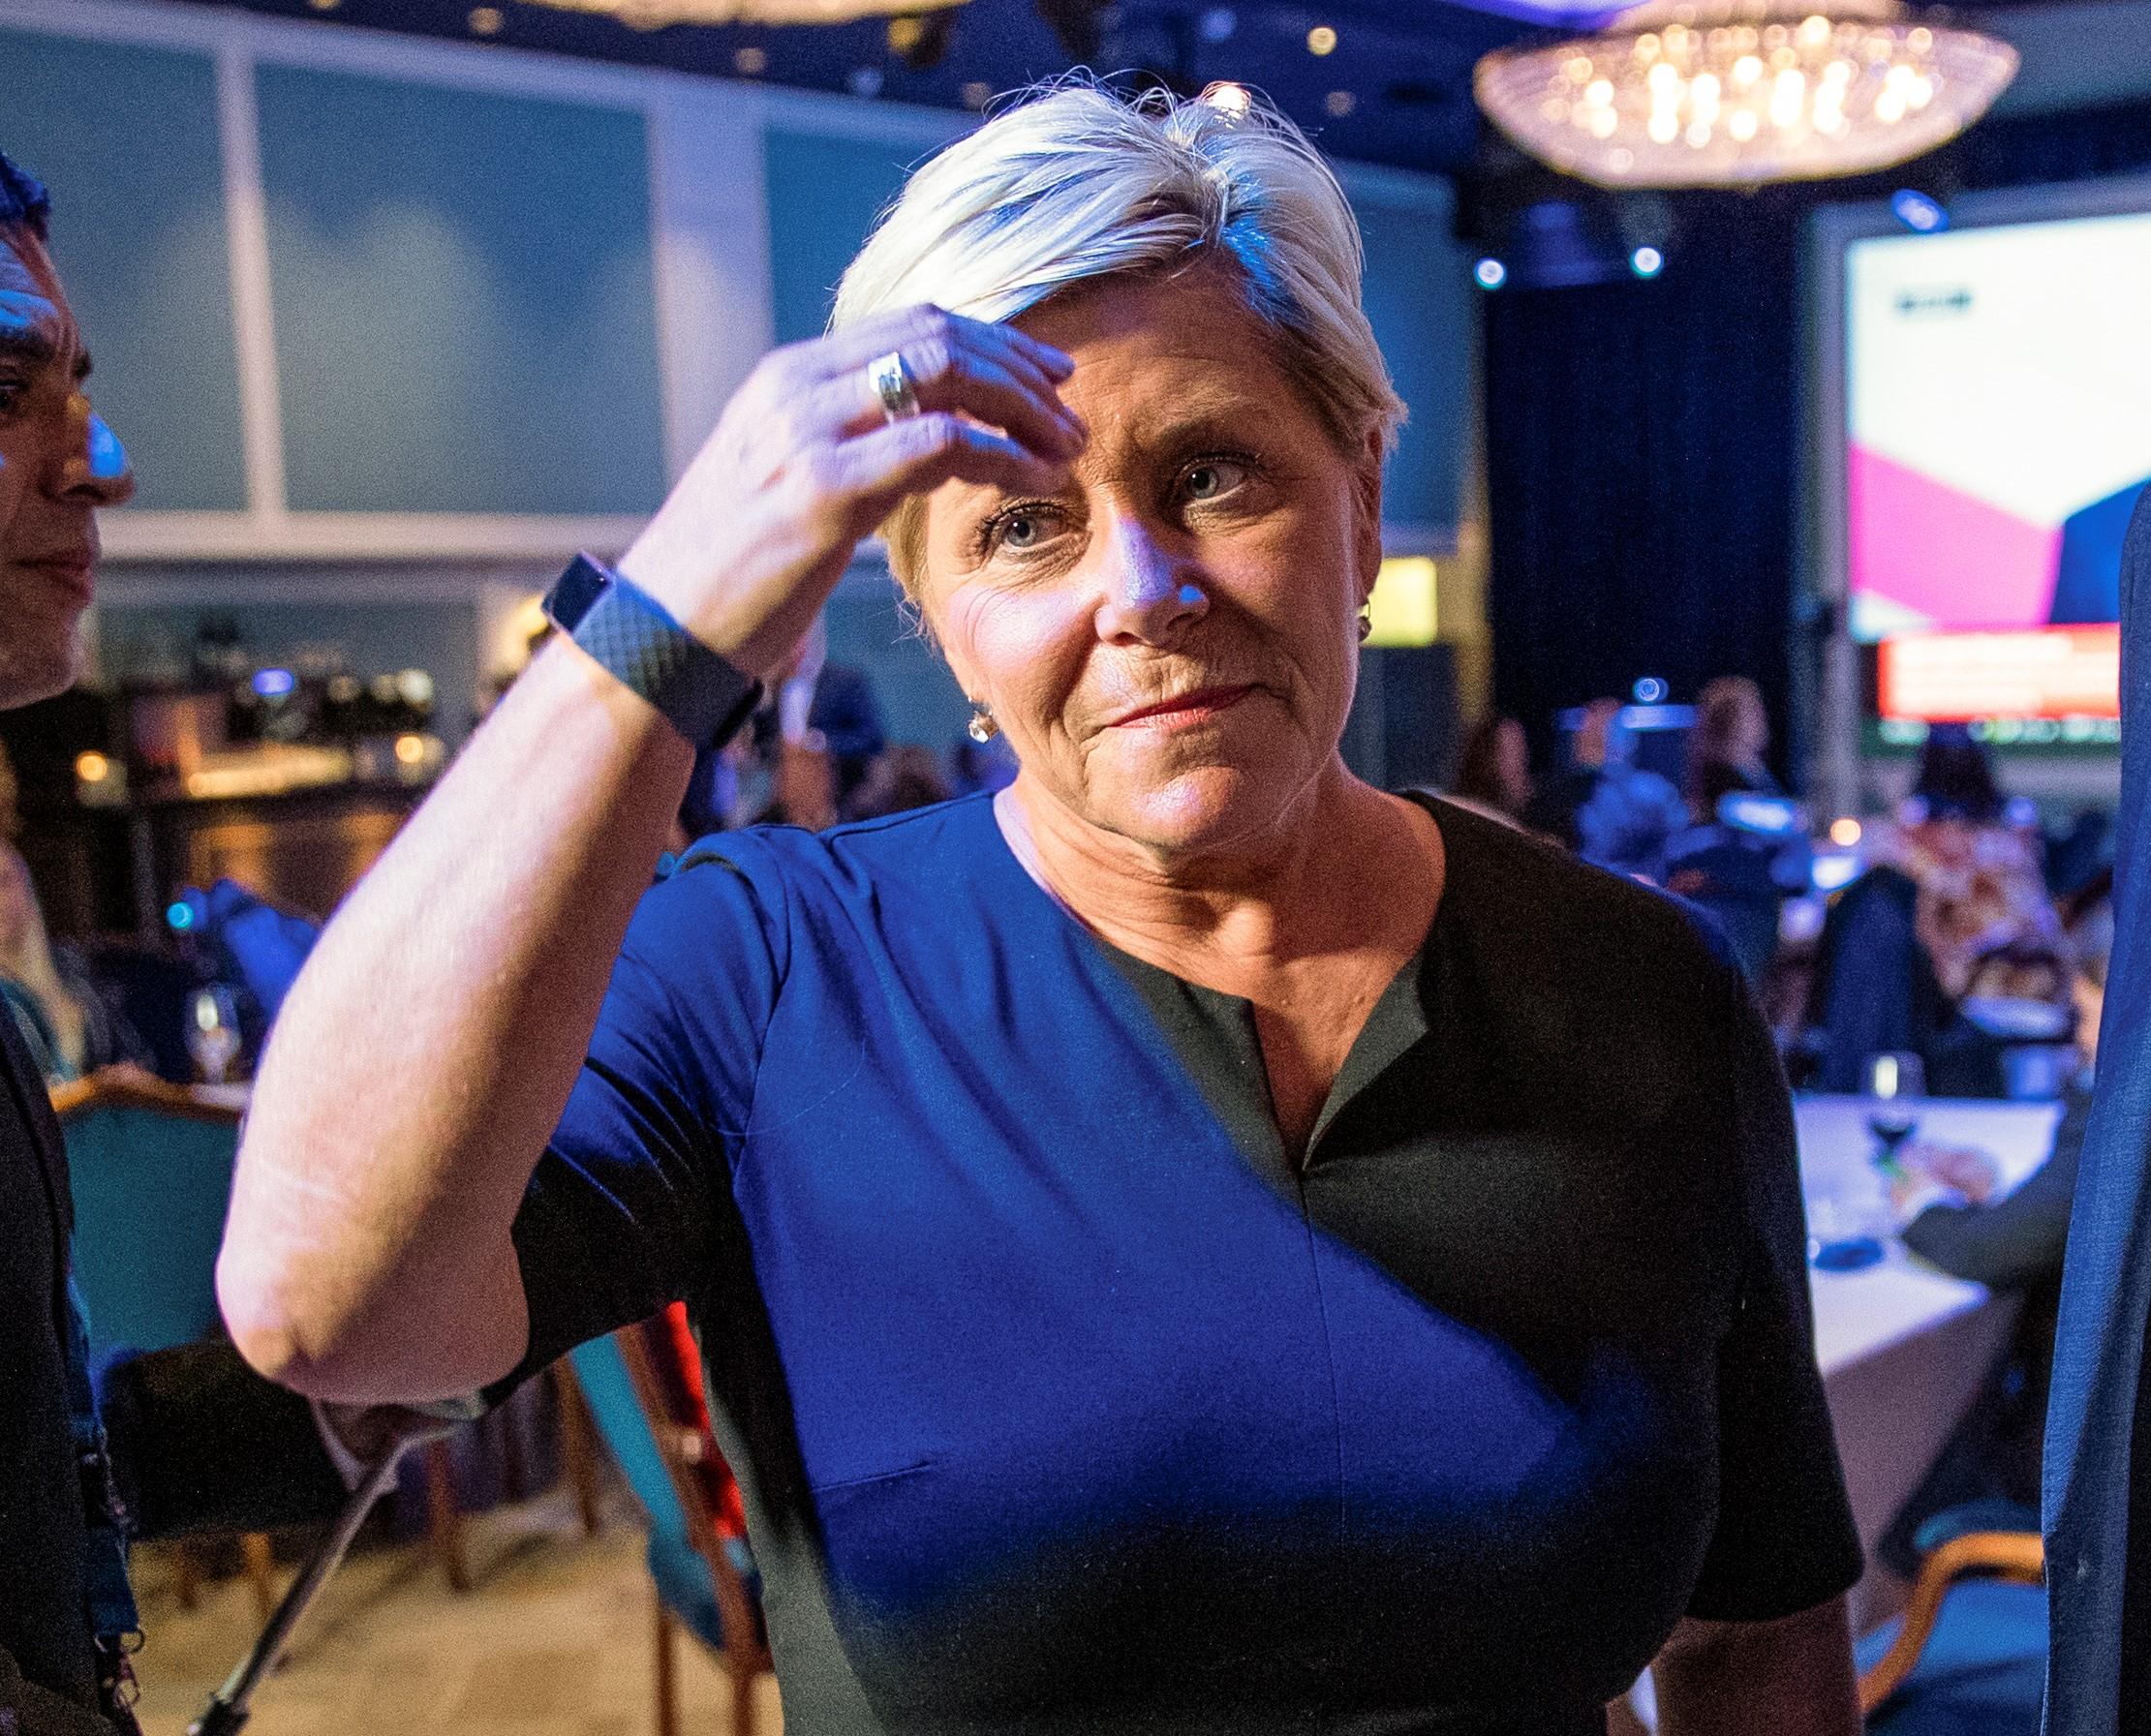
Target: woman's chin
(1196, 810)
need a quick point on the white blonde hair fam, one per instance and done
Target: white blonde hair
(1075, 182)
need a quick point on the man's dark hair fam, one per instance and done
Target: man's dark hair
(25, 204)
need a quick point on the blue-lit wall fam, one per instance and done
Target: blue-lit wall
(466, 316)
(127, 138)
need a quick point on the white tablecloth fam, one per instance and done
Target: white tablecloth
(1903, 1347)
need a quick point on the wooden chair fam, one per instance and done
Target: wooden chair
(701, 1579)
(1968, 1656)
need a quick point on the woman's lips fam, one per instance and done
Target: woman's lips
(1187, 711)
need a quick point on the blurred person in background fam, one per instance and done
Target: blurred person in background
(67, 1616)
(809, 744)
(1947, 946)
(1958, 1217)
(53, 1016)
(1156, 1272)
(1494, 772)
(899, 779)
(1558, 798)
(1983, 914)
(1732, 734)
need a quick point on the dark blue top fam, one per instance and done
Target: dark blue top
(2098, 1466)
(1063, 1400)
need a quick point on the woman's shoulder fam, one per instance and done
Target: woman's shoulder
(928, 850)
(1519, 898)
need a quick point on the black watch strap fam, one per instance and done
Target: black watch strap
(633, 637)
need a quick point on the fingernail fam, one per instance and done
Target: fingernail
(1058, 361)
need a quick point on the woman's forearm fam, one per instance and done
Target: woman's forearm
(427, 1050)
(1791, 1677)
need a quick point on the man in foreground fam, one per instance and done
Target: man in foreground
(65, 1612)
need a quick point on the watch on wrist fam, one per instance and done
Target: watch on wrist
(633, 636)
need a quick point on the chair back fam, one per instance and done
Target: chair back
(616, 1406)
(150, 1169)
(664, 1456)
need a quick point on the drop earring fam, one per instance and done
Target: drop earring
(982, 728)
(1367, 622)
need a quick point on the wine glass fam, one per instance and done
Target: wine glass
(213, 1036)
(1895, 1080)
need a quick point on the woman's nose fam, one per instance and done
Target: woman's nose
(1151, 594)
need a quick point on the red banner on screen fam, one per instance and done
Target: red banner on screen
(2052, 672)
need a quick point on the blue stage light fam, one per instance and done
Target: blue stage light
(1646, 262)
(273, 684)
(1490, 272)
(180, 915)
(1917, 212)
(1650, 690)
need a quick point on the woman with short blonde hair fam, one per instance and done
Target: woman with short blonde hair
(1190, 1243)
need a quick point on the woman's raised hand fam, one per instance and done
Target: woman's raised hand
(806, 462)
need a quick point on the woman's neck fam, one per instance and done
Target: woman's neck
(1333, 875)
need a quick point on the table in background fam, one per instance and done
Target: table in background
(1903, 1347)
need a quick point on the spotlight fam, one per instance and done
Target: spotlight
(1321, 41)
(1646, 262)
(1650, 690)
(865, 81)
(1217, 23)
(1917, 212)
(1490, 272)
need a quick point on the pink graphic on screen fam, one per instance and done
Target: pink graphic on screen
(1944, 552)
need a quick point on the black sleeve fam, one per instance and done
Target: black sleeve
(1785, 1539)
(2017, 1241)
(616, 1222)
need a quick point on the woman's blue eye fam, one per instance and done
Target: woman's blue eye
(1019, 532)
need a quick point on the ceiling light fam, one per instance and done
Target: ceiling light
(750, 61)
(1917, 212)
(486, 20)
(1339, 102)
(654, 14)
(1735, 93)
(1491, 273)
(1321, 39)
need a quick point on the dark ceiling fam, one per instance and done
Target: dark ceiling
(1395, 89)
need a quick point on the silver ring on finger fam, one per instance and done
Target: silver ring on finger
(891, 377)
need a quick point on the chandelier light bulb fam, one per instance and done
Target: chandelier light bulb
(1736, 93)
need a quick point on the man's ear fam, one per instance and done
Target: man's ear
(1367, 493)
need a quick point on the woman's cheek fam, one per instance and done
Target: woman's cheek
(1027, 650)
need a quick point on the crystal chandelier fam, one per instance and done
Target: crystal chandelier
(656, 14)
(1733, 94)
